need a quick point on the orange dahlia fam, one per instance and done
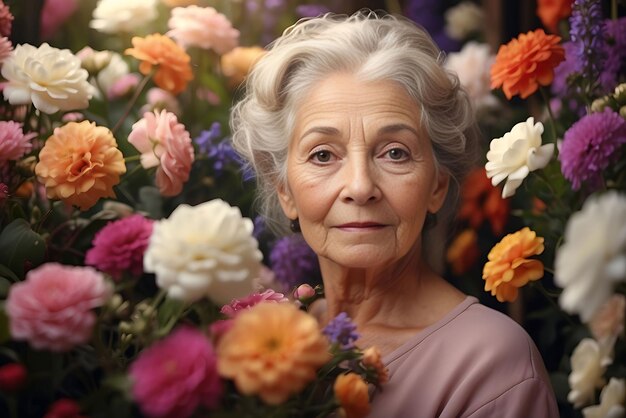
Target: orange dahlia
(552, 11)
(463, 252)
(526, 62)
(272, 350)
(80, 163)
(173, 69)
(509, 268)
(481, 200)
(351, 392)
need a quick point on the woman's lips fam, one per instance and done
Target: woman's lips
(360, 226)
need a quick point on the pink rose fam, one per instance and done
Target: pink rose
(52, 308)
(13, 143)
(166, 144)
(176, 375)
(203, 27)
(237, 305)
(54, 14)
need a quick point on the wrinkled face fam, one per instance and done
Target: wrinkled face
(361, 174)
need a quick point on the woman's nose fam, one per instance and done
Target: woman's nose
(360, 184)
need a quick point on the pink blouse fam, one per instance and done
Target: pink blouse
(475, 362)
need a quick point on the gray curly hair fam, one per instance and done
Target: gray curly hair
(371, 47)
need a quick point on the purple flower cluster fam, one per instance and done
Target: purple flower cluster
(587, 35)
(590, 145)
(221, 153)
(204, 141)
(342, 331)
(311, 10)
(293, 261)
(615, 53)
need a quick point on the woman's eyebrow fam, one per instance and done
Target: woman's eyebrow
(324, 130)
(390, 129)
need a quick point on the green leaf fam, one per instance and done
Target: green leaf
(21, 246)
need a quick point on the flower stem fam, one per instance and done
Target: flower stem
(133, 100)
(546, 99)
(537, 285)
(614, 15)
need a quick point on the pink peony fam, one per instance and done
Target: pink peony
(54, 14)
(51, 309)
(5, 48)
(176, 375)
(203, 27)
(6, 20)
(166, 144)
(120, 246)
(237, 305)
(13, 142)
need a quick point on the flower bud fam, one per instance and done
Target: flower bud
(599, 104)
(12, 377)
(304, 291)
(620, 93)
(622, 111)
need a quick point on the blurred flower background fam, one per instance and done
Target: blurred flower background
(137, 280)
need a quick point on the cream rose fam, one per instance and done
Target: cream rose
(589, 361)
(51, 79)
(516, 154)
(204, 250)
(612, 400)
(463, 20)
(472, 65)
(115, 16)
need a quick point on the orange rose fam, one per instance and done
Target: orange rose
(463, 252)
(552, 11)
(272, 350)
(509, 268)
(526, 62)
(80, 163)
(351, 392)
(173, 70)
(480, 200)
(237, 63)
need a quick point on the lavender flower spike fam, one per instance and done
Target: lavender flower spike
(342, 331)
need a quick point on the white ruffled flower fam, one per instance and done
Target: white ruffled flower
(516, 154)
(472, 65)
(204, 250)
(612, 400)
(593, 256)
(115, 16)
(589, 361)
(51, 79)
(110, 74)
(463, 20)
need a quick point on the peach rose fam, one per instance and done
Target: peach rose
(203, 27)
(237, 63)
(80, 164)
(351, 392)
(173, 69)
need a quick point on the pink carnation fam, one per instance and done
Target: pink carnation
(5, 48)
(166, 144)
(237, 305)
(6, 20)
(51, 309)
(203, 27)
(120, 246)
(54, 14)
(176, 375)
(13, 143)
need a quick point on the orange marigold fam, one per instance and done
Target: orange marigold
(509, 268)
(552, 11)
(80, 163)
(481, 200)
(526, 62)
(351, 392)
(272, 350)
(463, 252)
(173, 69)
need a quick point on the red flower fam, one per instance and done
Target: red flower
(64, 408)
(480, 200)
(12, 377)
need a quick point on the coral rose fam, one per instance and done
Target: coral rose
(509, 268)
(80, 163)
(552, 11)
(272, 350)
(174, 376)
(166, 144)
(203, 27)
(173, 69)
(51, 309)
(237, 63)
(526, 63)
(351, 392)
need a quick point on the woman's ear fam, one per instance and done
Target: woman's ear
(286, 201)
(440, 191)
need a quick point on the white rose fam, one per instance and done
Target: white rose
(516, 154)
(110, 74)
(589, 361)
(463, 20)
(114, 16)
(472, 65)
(612, 400)
(593, 256)
(51, 79)
(204, 250)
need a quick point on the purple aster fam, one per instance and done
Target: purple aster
(586, 33)
(341, 330)
(204, 141)
(293, 261)
(311, 10)
(590, 145)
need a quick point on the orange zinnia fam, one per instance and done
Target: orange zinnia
(509, 268)
(351, 392)
(463, 252)
(173, 70)
(272, 350)
(552, 11)
(525, 63)
(80, 164)
(480, 200)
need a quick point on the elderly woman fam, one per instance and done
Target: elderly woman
(359, 139)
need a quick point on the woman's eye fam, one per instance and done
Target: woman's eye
(397, 154)
(322, 156)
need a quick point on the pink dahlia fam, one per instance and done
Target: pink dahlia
(176, 375)
(238, 305)
(590, 145)
(120, 246)
(203, 27)
(166, 144)
(13, 142)
(6, 20)
(52, 308)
